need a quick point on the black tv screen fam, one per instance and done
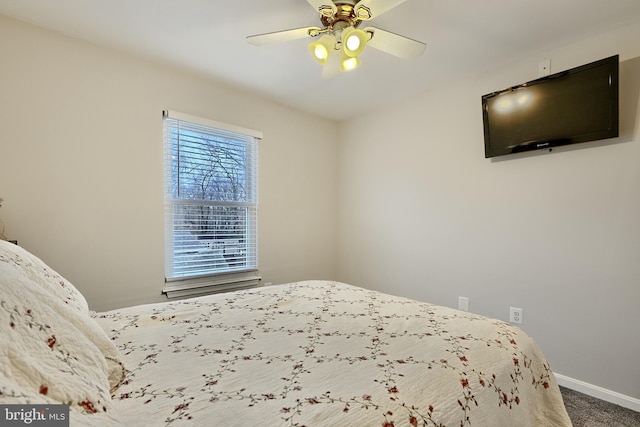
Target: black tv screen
(577, 105)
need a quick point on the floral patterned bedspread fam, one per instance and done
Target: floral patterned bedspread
(324, 354)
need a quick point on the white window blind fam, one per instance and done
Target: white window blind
(210, 201)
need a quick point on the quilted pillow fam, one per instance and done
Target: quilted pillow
(40, 273)
(51, 350)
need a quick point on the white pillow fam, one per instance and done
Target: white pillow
(51, 350)
(41, 274)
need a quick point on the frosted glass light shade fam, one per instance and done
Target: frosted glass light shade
(353, 41)
(321, 48)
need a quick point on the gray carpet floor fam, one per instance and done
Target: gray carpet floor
(587, 411)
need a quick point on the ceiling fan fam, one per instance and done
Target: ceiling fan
(340, 40)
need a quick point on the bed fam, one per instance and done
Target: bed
(313, 353)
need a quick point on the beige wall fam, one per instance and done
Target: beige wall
(425, 215)
(81, 165)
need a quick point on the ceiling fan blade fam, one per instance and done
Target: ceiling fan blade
(375, 7)
(400, 46)
(332, 68)
(282, 36)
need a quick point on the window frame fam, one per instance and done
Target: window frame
(179, 284)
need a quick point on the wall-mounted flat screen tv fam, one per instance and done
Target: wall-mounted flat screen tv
(577, 105)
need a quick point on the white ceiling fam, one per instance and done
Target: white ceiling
(208, 36)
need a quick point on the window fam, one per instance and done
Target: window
(210, 205)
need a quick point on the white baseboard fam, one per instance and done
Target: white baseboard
(599, 392)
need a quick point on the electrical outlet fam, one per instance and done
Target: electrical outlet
(515, 315)
(463, 303)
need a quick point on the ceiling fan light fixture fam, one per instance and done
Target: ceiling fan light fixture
(321, 49)
(349, 63)
(320, 53)
(353, 41)
(339, 42)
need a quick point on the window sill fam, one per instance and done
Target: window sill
(210, 285)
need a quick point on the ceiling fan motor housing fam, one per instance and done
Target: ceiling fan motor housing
(345, 16)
